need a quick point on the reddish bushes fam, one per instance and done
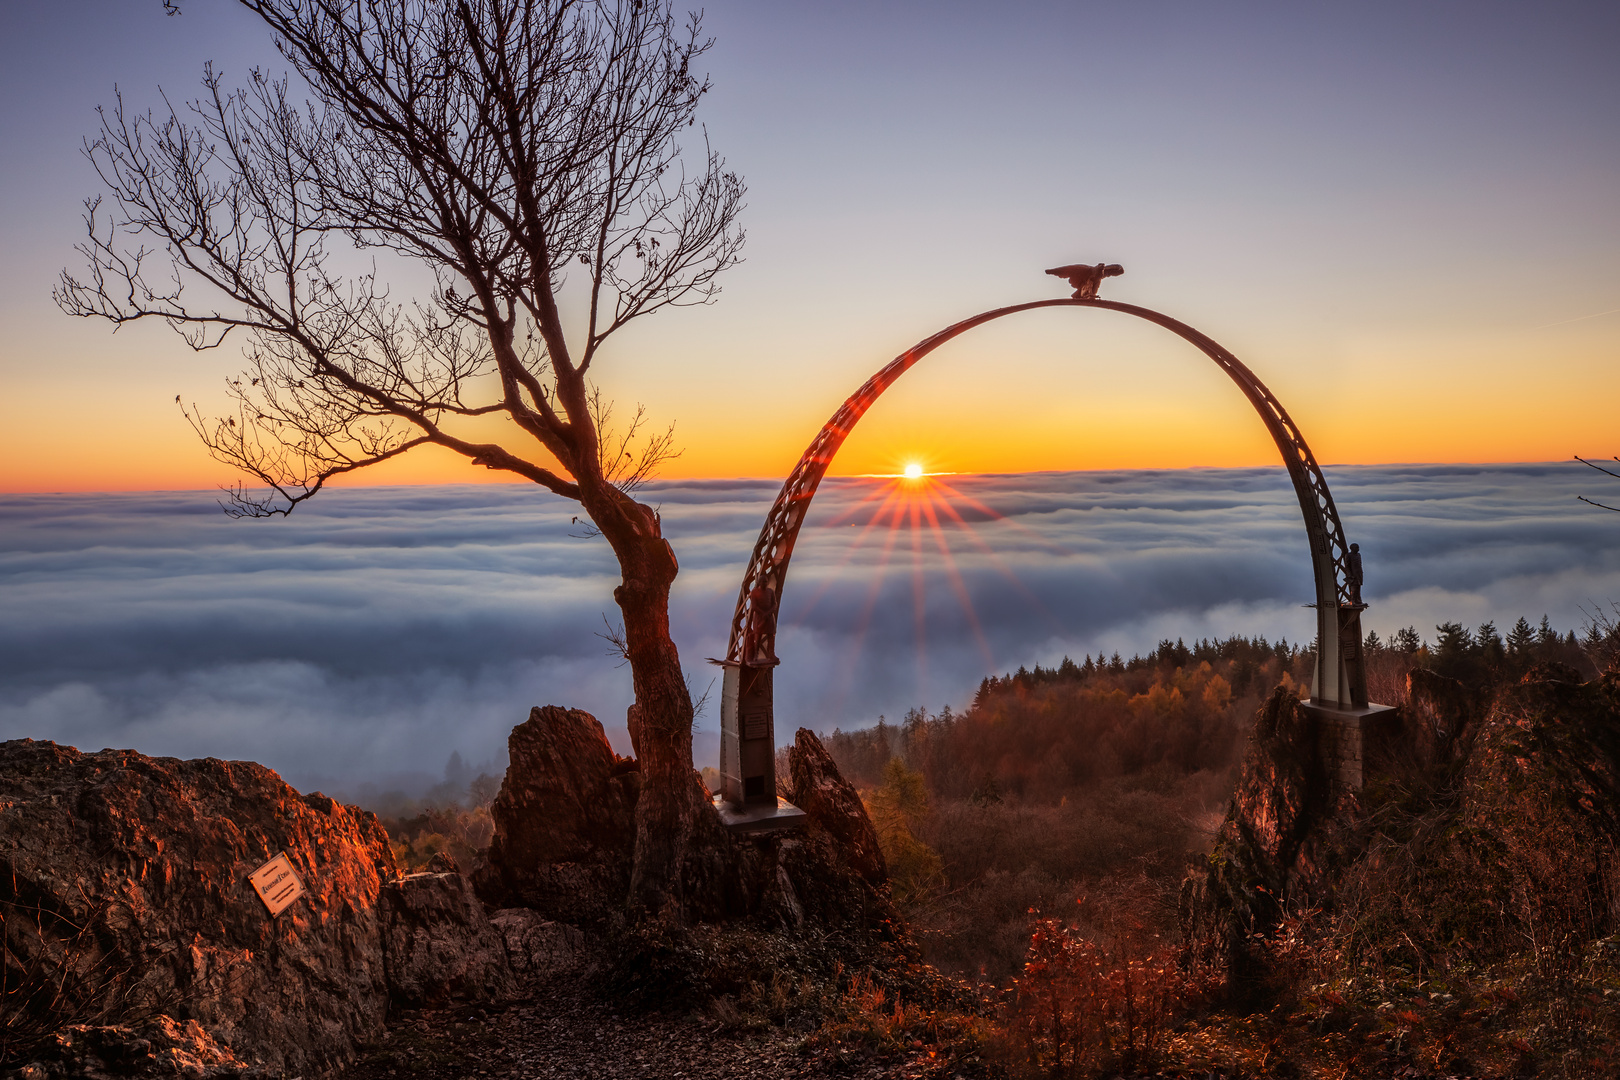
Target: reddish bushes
(1103, 999)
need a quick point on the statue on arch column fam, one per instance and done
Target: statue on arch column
(1352, 573)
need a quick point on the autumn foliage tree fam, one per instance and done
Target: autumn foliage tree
(539, 160)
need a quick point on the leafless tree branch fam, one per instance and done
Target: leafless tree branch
(1606, 472)
(499, 146)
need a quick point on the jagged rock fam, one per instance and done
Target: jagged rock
(537, 947)
(150, 856)
(125, 878)
(564, 841)
(821, 880)
(564, 821)
(1504, 821)
(828, 873)
(1267, 850)
(438, 944)
(159, 1047)
(830, 801)
(1437, 723)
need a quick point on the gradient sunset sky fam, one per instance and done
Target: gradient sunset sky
(1404, 217)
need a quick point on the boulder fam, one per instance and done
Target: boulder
(833, 804)
(137, 868)
(438, 945)
(538, 948)
(124, 882)
(564, 821)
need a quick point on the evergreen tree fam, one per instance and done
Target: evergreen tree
(1406, 641)
(1545, 635)
(1489, 643)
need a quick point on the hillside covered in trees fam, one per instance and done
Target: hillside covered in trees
(1107, 778)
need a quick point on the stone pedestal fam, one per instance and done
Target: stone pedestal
(748, 802)
(1346, 737)
(747, 736)
(754, 818)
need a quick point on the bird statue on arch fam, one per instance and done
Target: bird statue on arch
(1085, 279)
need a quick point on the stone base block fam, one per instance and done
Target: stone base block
(758, 818)
(1345, 737)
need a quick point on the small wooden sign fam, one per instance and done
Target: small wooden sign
(277, 883)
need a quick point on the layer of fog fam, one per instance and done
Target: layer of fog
(376, 632)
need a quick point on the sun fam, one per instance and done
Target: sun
(913, 471)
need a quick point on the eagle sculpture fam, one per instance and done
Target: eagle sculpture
(1085, 279)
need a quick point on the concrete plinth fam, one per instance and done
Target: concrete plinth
(1345, 737)
(756, 818)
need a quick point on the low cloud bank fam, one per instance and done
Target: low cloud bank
(377, 631)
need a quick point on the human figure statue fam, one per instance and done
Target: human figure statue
(1085, 279)
(1352, 573)
(758, 637)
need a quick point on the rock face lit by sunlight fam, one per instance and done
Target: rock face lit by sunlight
(378, 630)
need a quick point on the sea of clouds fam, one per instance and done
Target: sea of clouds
(377, 631)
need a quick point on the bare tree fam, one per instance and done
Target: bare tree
(529, 155)
(1601, 469)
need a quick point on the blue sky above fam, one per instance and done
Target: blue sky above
(1400, 215)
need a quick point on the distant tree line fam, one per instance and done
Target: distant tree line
(1038, 731)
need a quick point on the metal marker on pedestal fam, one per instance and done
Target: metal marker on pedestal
(1339, 687)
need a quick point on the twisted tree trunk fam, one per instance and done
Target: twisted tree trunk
(660, 719)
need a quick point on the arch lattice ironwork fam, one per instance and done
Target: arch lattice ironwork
(1340, 679)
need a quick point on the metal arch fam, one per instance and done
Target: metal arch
(1340, 678)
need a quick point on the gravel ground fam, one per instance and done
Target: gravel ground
(562, 1029)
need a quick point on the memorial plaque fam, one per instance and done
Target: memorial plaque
(757, 721)
(277, 884)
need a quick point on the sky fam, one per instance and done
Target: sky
(368, 637)
(1400, 216)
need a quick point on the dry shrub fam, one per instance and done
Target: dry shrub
(871, 1015)
(1386, 675)
(58, 970)
(1089, 1002)
(898, 809)
(463, 833)
(1003, 858)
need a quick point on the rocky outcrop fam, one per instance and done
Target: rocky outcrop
(565, 837)
(124, 881)
(811, 900)
(1437, 725)
(138, 866)
(538, 948)
(438, 946)
(564, 821)
(833, 805)
(1480, 827)
(1268, 848)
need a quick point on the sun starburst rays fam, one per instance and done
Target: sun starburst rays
(924, 507)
